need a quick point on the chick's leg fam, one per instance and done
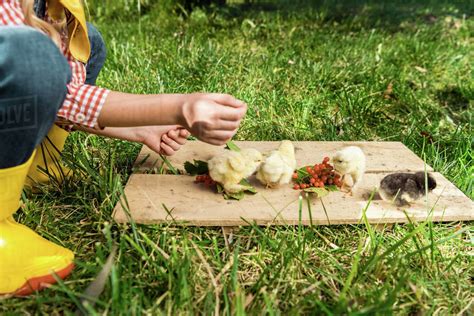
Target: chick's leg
(357, 179)
(270, 186)
(405, 199)
(400, 202)
(347, 184)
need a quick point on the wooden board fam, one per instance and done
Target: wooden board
(381, 156)
(149, 196)
(194, 204)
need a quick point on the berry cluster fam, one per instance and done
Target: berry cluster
(318, 176)
(206, 179)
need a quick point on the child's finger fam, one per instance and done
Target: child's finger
(167, 150)
(170, 142)
(155, 147)
(220, 136)
(177, 138)
(216, 142)
(180, 140)
(227, 125)
(232, 114)
(184, 133)
(172, 133)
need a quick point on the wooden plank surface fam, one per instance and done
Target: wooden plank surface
(381, 156)
(195, 204)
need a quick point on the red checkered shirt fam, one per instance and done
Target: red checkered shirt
(83, 102)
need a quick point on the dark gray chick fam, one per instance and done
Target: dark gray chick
(405, 188)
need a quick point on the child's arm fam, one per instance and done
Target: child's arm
(213, 118)
(166, 140)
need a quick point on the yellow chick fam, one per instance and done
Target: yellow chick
(278, 167)
(230, 167)
(350, 163)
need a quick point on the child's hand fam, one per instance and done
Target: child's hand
(165, 140)
(211, 117)
(173, 140)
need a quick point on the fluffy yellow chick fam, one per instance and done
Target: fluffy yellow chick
(350, 162)
(278, 167)
(230, 167)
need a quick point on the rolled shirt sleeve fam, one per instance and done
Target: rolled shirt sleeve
(83, 102)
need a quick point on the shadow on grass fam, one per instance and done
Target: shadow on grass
(453, 98)
(352, 15)
(390, 15)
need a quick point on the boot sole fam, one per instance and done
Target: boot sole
(41, 282)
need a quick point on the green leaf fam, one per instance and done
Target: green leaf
(220, 188)
(303, 175)
(331, 188)
(197, 168)
(302, 171)
(320, 192)
(232, 146)
(236, 196)
(248, 187)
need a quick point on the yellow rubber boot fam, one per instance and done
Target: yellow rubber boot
(27, 260)
(47, 161)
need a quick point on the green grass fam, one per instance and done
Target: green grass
(308, 72)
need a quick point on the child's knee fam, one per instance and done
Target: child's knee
(32, 65)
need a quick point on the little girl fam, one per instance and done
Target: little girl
(49, 61)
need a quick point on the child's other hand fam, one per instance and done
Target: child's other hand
(173, 140)
(165, 140)
(211, 117)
